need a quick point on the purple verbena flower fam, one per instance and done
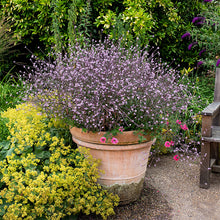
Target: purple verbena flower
(202, 51)
(187, 34)
(207, 0)
(218, 62)
(201, 22)
(191, 45)
(199, 63)
(195, 19)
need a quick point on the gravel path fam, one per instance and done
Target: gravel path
(171, 191)
(179, 184)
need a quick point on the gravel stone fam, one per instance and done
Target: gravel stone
(171, 191)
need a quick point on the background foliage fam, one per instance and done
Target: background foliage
(158, 23)
(207, 35)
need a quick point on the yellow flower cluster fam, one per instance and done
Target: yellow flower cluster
(44, 178)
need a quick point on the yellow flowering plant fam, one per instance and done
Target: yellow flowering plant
(42, 176)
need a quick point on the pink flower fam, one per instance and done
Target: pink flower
(184, 127)
(167, 122)
(121, 129)
(176, 157)
(167, 144)
(114, 140)
(178, 122)
(103, 139)
(172, 143)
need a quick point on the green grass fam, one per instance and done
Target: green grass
(10, 90)
(204, 92)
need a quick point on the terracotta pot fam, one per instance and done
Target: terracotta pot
(124, 163)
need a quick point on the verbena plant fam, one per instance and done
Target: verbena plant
(103, 87)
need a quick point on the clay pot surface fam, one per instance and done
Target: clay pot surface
(124, 164)
(125, 138)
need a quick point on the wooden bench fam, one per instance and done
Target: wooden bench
(210, 137)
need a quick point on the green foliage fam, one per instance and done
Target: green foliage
(207, 35)
(58, 22)
(30, 19)
(158, 23)
(202, 88)
(7, 42)
(3, 129)
(171, 47)
(6, 39)
(50, 23)
(10, 90)
(42, 177)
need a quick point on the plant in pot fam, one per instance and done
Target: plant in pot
(116, 101)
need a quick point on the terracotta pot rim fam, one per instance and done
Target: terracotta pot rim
(124, 138)
(115, 147)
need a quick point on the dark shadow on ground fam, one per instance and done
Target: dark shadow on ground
(151, 206)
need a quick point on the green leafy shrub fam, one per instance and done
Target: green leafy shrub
(61, 22)
(157, 23)
(205, 35)
(48, 22)
(42, 177)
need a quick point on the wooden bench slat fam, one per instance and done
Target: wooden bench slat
(211, 109)
(215, 135)
(216, 168)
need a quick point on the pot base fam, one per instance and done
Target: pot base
(127, 192)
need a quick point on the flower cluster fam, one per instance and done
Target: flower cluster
(198, 20)
(103, 86)
(44, 178)
(206, 33)
(178, 139)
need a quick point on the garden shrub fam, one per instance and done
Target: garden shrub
(204, 36)
(48, 22)
(159, 23)
(42, 176)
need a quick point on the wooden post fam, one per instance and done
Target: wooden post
(205, 165)
(206, 126)
(217, 86)
(217, 99)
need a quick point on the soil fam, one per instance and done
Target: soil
(171, 191)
